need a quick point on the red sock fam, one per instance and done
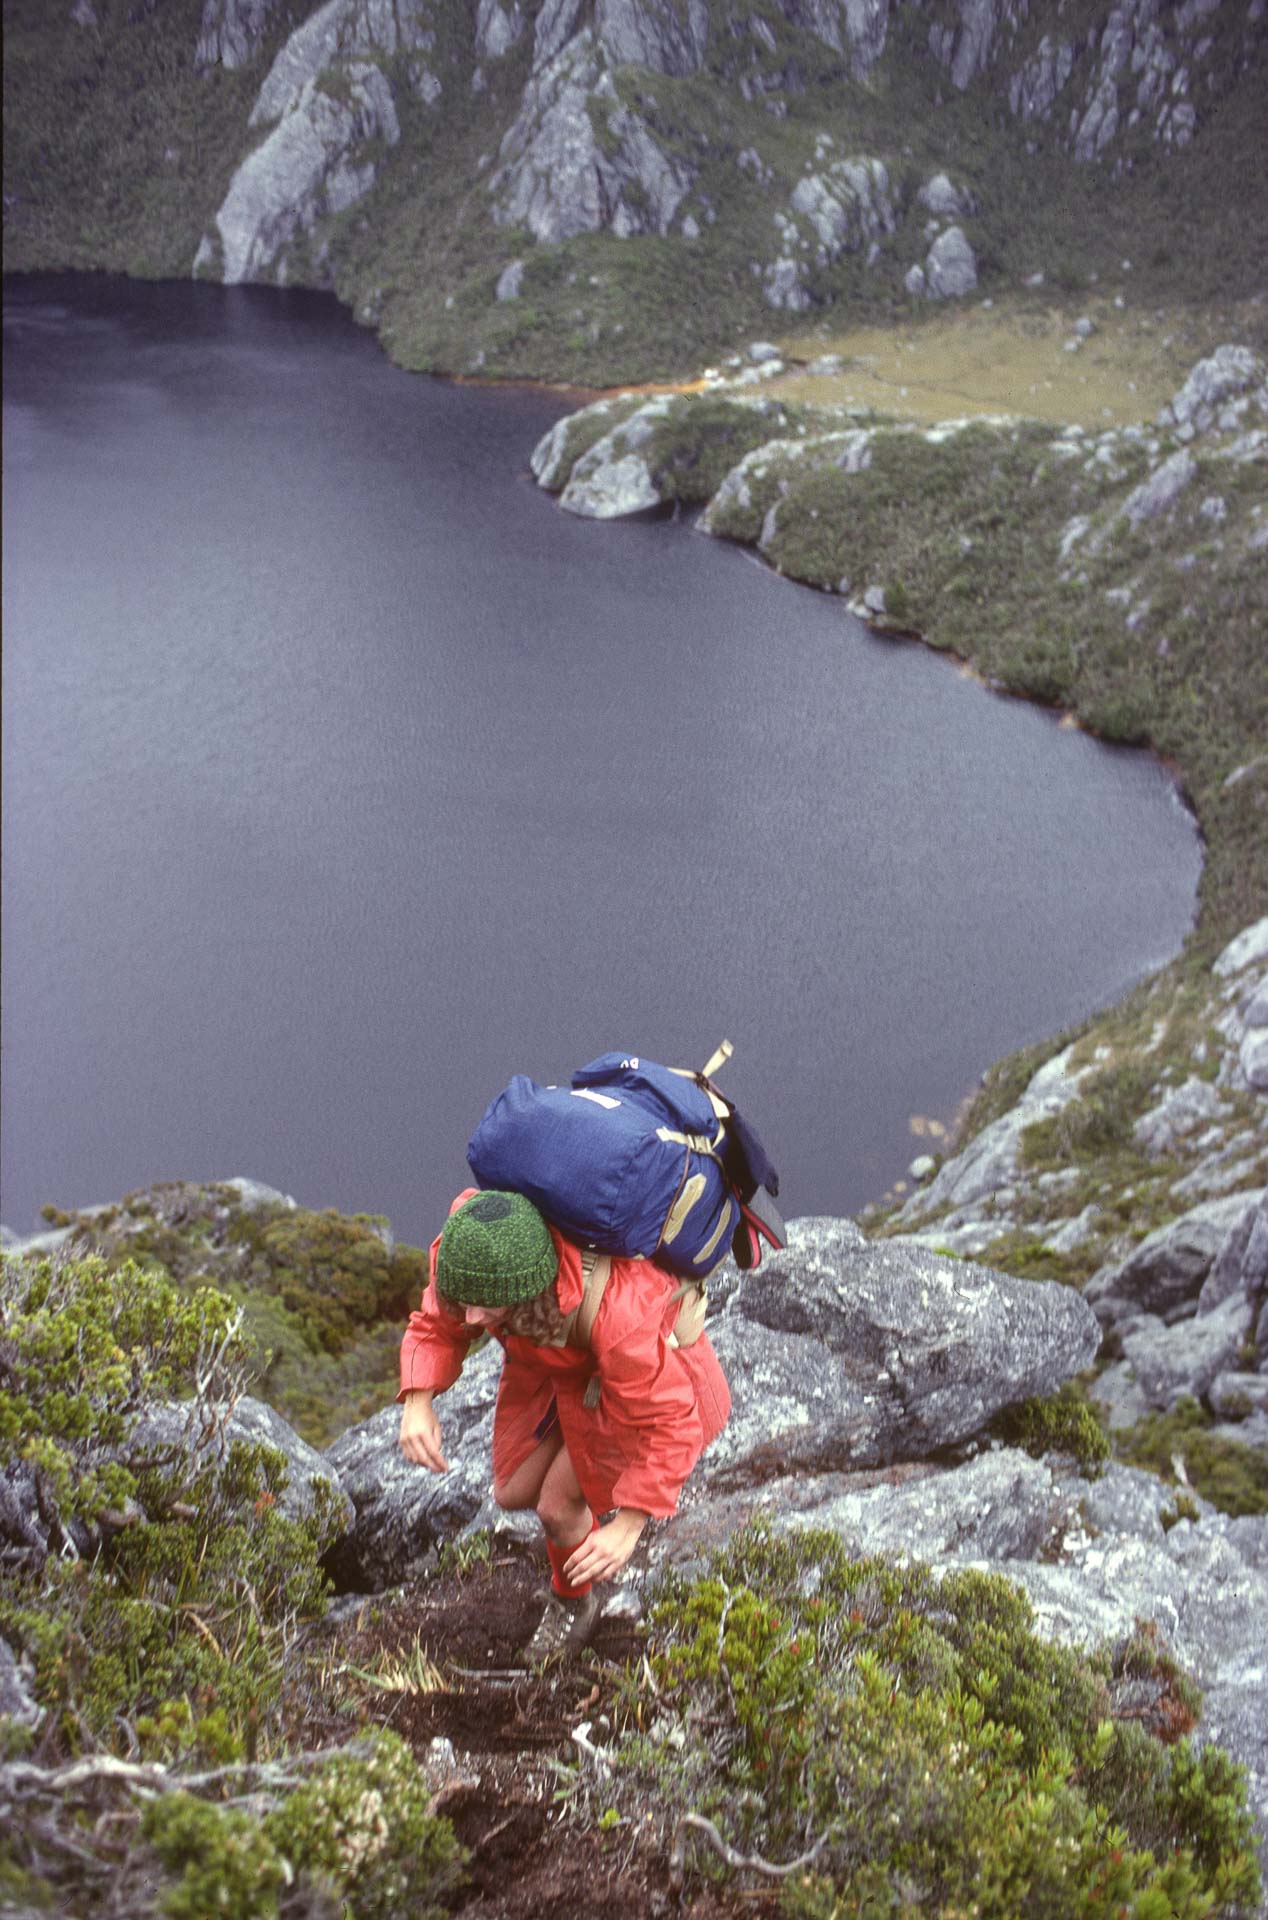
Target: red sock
(558, 1557)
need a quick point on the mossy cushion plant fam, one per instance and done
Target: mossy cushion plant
(914, 1743)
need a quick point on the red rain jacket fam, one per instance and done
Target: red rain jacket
(659, 1405)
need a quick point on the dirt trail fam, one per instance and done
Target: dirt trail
(446, 1662)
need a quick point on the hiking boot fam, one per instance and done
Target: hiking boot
(564, 1628)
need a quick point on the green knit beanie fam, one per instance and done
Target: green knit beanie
(495, 1251)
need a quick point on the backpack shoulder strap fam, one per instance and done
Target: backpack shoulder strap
(596, 1270)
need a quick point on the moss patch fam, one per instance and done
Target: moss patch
(1231, 1476)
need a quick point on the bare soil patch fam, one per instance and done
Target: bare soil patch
(443, 1660)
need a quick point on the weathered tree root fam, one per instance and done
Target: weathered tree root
(21, 1779)
(749, 1862)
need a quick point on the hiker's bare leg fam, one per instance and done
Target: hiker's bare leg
(561, 1505)
(522, 1488)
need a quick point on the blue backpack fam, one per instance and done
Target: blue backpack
(635, 1159)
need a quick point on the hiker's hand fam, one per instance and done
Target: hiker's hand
(606, 1551)
(420, 1433)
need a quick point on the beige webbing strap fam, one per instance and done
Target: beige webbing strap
(596, 1270)
(693, 1304)
(718, 1059)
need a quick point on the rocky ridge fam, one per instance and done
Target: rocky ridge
(867, 1375)
(578, 141)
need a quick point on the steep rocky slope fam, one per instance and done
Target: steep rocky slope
(612, 188)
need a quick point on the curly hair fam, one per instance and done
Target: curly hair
(541, 1319)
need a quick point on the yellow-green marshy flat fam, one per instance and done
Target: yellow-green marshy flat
(987, 360)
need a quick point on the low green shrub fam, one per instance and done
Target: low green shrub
(360, 1831)
(1100, 1121)
(1231, 1476)
(929, 1753)
(1064, 1423)
(364, 1827)
(172, 1573)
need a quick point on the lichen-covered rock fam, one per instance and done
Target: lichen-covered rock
(1095, 1557)
(403, 1511)
(1182, 1112)
(950, 266)
(846, 204)
(558, 177)
(653, 33)
(1235, 1394)
(232, 32)
(1248, 949)
(941, 196)
(254, 1422)
(498, 27)
(556, 452)
(884, 1350)
(1241, 1265)
(1167, 1269)
(784, 287)
(1033, 90)
(1161, 490)
(992, 1159)
(555, 26)
(856, 28)
(969, 51)
(356, 28)
(1172, 1362)
(1220, 391)
(614, 478)
(308, 167)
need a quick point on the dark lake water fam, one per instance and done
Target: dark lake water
(344, 776)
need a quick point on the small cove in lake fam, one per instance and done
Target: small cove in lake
(345, 776)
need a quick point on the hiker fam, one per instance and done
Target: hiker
(610, 1424)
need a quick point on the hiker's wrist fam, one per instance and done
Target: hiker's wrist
(633, 1519)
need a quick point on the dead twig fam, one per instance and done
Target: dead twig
(581, 1739)
(738, 1862)
(23, 1777)
(202, 1627)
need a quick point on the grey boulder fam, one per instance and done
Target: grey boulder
(950, 266)
(232, 32)
(171, 1429)
(940, 196)
(653, 33)
(1182, 1112)
(854, 1352)
(992, 1158)
(558, 178)
(404, 1512)
(846, 204)
(1241, 1265)
(307, 168)
(1167, 1269)
(1094, 1557)
(614, 477)
(1172, 1362)
(1161, 490)
(1221, 380)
